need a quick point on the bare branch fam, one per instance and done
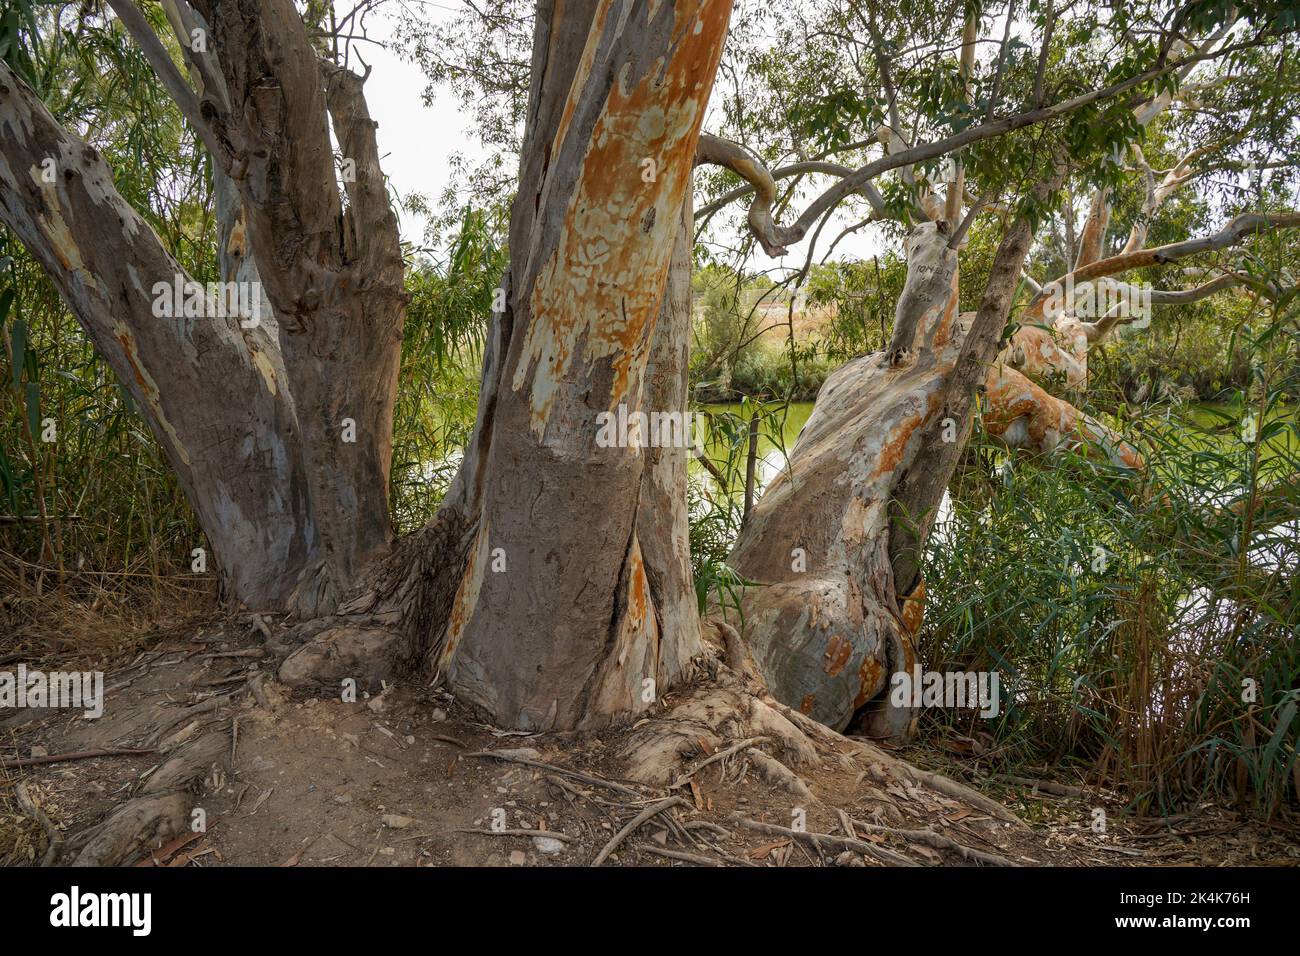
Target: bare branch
(714, 150)
(178, 88)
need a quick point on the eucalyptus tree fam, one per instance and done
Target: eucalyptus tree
(553, 589)
(956, 98)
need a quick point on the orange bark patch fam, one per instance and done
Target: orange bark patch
(467, 592)
(838, 652)
(943, 331)
(914, 608)
(891, 453)
(598, 296)
(870, 677)
(806, 705)
(638, 589)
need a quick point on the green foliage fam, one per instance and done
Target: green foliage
(716, 497)
(451, 301)
(1124, 614)
(860, 296)
(741, 342)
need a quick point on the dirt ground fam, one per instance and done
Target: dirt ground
(408, 777)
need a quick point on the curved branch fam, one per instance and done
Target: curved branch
(774, 238)
(860, 179)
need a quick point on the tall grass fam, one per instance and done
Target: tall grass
(84, 489)
(1144, 625)
(451, 293)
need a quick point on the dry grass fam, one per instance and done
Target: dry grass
(92, 617)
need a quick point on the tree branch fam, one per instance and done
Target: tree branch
(178, 88)
(856, 181)
(775, 240)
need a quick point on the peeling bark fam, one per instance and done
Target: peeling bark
(576, 593)
(827, 622)
(835, 542)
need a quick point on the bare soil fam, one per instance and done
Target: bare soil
(401, 779)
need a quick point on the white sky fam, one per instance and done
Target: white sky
(415, 140)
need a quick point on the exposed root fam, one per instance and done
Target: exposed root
(632, 826)
(821, 841)
(137, 825)
(197, 742)
(732, 717)
(721, 721)
(894, 768)
(778, 774)
(393, 622)
(161, 809)
(939, 842)
(364, 654)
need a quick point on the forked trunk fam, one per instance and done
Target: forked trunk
(835, 542)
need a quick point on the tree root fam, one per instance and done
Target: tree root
(731, 716)
(940, 784)
(726, 708)
(777, 773)
(818, 840)
(632, 826)
(159, 809)
(394, 621)
(938, 841)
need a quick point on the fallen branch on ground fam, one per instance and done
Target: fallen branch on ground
(74, 755)
(633, 824)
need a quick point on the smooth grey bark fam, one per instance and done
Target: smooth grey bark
(211, 391)
(333, 274)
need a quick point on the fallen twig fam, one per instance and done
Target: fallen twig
(576, 775)
(562, 837)
(52, 833)
(74, 755)
(1046, 786)
(937, 840)
(696, 858)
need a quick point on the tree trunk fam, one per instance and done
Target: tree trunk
(280, 430)
(836, 540)
(212, 391)
(575, 608)
(334, 275)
